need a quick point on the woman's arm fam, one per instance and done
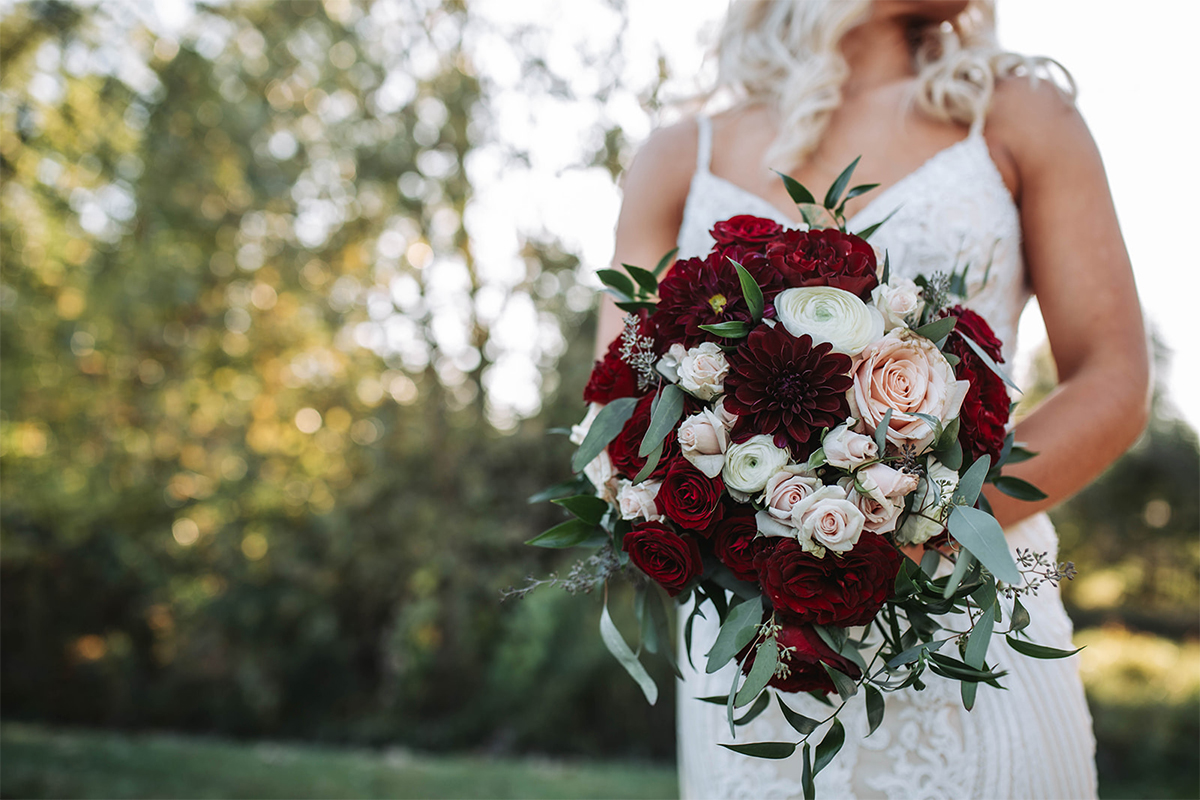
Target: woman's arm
(655, 189)
(1081, 275)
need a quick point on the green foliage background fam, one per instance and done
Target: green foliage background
(227, 507)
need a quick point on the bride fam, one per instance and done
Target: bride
(980, 162)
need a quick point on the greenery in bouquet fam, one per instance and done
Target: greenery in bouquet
(778, 424)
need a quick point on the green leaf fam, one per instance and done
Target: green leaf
(1038, 650)
(760, 705)
(605, 427)
(960, 571)
(1019, 454)
(806, 776)
(734, 329)
(617, 280)
(665, 262)
(568, 534)
(913, 653)
(881, 430)
(796, 190)
(750, 291)
(1022, 490)
(952, 456)
(645, 279)
(952, 359)
(844, 684)
(971, 482)
(930, 561)
(634, 306)
(829, 746)
(987, 360)
(875, 706)
(861, 189)
(651, 462)
(801, 723)
(949, 434)
(666, 413)
(839, 185)
(887, 267)
(980, 533)
(589, 508)
(763, 749)
(866, 232)
(938, 329)
(976, 654)
(735, 633)
(953, 668)
(1020, 617)
(616, 645)
(766, 659)
(935, 424)
(573, 486)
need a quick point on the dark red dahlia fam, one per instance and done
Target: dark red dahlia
(706, 292)
(671, 559)
(689, 498)
(841, 590)
(745, 229)
(983, 419)
(825, 257)
(623, 450)
(805, 654)
(735, 542)
(786, 387)
(611, 378)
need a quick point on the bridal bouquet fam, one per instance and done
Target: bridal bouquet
(777, 420)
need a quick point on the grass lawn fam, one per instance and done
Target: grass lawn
(45, 762)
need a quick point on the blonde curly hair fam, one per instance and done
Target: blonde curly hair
(786, 53)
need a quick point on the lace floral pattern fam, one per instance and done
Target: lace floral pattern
(1035, 738)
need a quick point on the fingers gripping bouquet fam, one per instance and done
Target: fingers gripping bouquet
(775, 422)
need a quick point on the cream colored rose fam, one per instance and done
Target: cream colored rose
(905, 372)
(702, 371)
(829, 315)
(728, 418)
(579, 432)
(784, 490)
(827, 520)
(846, 449)
(600, 472)
(636, 501)
(879, 493)
(899, 301)
(668, 365)
(703, 440)
(931, 505)
(749, 465)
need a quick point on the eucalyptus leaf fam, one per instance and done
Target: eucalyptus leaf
(573, 486)
(829, 746)
(881, 430)
(735, 633)
(913, 653)
(806, 775)
(616, 645)
(617, 280)
(763, 749)
(1019, 454)
(802, 724)
(796, 190)
(839, 185)
(989, 363)
(665, 262)
(651, 462)
(605, 427)
(965, 559)
(663, 418)
(1020, 617)
(952, 456)
(887, 267)
(567, 534)
(750, 291)
(875, 706)
(1038, 650)
(733, 329)
(861, 189)
(586, 507)
(930, 560)
(766, 659)
(842, 682)
(971, 482)
(976, 653)
(980, 533)
(1022, 490)
(760, 705)
(938, 329)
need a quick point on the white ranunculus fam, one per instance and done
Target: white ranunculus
(931, 505)
(827, 520)
(702, 371)
(579, 432)
(846, 449)
(899, 301)
(636, 500)
(600, 472)
(749, 465)
(703, 440)
(829, 315)
(668, 365)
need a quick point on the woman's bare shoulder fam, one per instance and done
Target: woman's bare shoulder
(1036, 123)
(668, 156)
(656, 184)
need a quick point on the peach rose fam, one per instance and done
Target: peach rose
(846, 449)
(703, 440)
(827, 520)
(784, 490)
(879, 493)
(905, 372)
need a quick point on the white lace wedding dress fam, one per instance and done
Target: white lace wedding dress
(1032, 740)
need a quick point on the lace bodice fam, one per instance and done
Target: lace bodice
(1032, 740)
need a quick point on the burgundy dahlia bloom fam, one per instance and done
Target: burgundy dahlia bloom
(983, 418)
(825, 257)
(707, 292)
(786, 387)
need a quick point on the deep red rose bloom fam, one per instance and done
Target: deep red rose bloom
(689, 498)
(611, 378)
(707, 292)
(735, 542)
(786, 387)
(623, 450)
(671, 559)
(745, 229)
(825, 257)
(805, 673)
(983, 419)
(841, 590)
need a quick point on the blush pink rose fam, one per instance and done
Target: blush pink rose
(827, 520)
(846, 449)
(905, 372)
(784, 490)
(879, 495)
(703, 440)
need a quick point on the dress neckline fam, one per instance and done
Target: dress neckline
(973, 138)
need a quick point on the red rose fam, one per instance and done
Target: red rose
(611, 378)
(736, 542)
(834, 590)
(623, 450)
(825, 257)
(745, 229)
(983, 419)
(803, 660)
(671, 559)
(689, 498)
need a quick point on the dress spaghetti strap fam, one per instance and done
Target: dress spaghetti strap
(703, 143)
